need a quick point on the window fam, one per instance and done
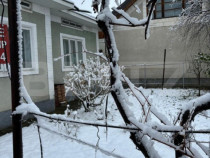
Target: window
(26, 53)
(168, 8)
(30, 50)
(71, 50)
(26, 43)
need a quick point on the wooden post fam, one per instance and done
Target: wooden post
(15, 83)
(164, 63)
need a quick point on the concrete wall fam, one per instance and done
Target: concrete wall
(90, 40)
(134, 49)
(145, 57)
(37, 84)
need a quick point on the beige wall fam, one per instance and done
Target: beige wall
(134, 49)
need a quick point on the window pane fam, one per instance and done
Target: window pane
(27, 62)
(66, 51)
(169, 1)
(158, 7)
(172, 5)
(80, 55)
(73, 51)
(158, 15)
(158, 1)
(172, 13)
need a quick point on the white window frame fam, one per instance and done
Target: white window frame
(74, 38)
(2, 68)
(34, 49)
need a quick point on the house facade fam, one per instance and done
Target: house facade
(144, 59)
(50, 31)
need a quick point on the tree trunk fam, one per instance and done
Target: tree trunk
(199, 84)
(115, 93)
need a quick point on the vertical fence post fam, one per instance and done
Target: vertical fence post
(15, 83)
(209, 146)
(183, 76)
(164, 63)
(145, 75)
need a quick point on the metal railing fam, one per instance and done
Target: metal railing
(176, 75)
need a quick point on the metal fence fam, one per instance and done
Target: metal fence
(155, 75)
(168, 75)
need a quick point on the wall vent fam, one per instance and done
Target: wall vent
(70, 23)
(26, 5)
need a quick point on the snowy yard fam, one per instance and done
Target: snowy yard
(116, 141)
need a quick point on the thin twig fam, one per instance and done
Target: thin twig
(161, 120)
(97, 144)
(114, 126)
(108, 153)
(40, 140)
(106, 115)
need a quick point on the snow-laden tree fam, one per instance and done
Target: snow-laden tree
(205, 59)
(143, 132)
(148, 132)
(89, 80)
(193, 27)
(194, 23)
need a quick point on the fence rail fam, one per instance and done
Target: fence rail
(175, 75)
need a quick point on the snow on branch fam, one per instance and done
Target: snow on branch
(154, 135)
(131, 20)
(126, 20)
(188, 114)
(26, 108)
(193, 23)
(134, 90)
(194, 107)
(88, 80)
(204, 148)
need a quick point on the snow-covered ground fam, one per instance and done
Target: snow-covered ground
(116, 141)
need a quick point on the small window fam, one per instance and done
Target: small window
(168, 8)
(72, 48)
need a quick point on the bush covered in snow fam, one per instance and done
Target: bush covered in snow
(88, 80)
